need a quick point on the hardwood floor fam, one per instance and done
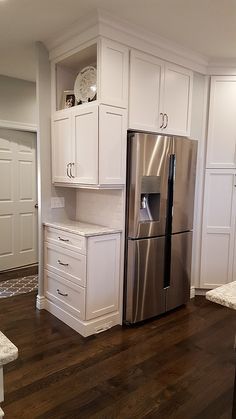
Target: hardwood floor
(180, 366)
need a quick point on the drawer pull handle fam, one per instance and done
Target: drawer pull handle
(63, 240)
(61, 293)
(61, 263)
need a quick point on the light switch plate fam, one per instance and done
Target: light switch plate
(58, 202)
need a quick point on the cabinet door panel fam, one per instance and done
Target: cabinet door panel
(102, 278)
(112, 145)
(177, 99)
(113, 70)
(221, 148)
(85, 125)
(62, 146)
(146, 76)
(218, 228)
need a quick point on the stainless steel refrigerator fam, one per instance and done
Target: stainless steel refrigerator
(159, 221)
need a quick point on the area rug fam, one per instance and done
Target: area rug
(17, 286)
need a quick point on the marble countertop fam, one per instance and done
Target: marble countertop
(83, 229)
(8, 351)
(224, 295)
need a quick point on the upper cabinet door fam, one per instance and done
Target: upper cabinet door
(112, 145)
(146, 82)
(85, 134)
(62, 147)
(113, 62)
(221, 148)
(177, 99)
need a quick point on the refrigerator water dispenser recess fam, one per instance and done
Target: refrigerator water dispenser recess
(150, 199)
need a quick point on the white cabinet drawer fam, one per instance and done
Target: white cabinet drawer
(65, 239)
(70, 265)
(65, 294)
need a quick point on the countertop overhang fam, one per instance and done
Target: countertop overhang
(224, 295)
(8, 351)
(83, 229)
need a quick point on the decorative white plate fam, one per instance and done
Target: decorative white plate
(85, 87)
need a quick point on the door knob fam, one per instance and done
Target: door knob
(36, 206)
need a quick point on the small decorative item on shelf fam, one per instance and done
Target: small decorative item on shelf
(85, 88)
(68, 99)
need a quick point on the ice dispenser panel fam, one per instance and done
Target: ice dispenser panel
(150, 198)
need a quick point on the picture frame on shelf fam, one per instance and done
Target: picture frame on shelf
(68, 99)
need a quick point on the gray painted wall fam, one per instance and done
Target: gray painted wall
(17, 100)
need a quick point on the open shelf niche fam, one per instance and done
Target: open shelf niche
(68, 69)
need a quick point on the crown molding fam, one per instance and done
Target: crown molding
(226, 67)
(102, 23)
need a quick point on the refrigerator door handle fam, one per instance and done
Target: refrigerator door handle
(169, 216)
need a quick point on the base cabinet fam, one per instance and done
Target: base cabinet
(83, 289)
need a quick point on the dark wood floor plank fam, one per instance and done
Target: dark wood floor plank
(180, 366)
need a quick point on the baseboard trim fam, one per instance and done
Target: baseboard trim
(192, 292)
(84, 328)
(199, 291)
(41, 302)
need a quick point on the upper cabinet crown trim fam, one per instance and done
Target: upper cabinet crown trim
(106, 25)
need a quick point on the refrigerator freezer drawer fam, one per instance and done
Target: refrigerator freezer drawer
(144, 294)
(178, 292)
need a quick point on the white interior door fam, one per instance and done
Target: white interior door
(18, 196)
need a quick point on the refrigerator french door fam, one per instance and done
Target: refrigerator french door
(159, 219)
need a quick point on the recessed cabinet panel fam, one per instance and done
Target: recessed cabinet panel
(86, 145)
(216, 264)
(221, 148)
(112, 145)
(102, 278)
(113, 68)
(218, 199)
(62, 146)
(146, 73)
(177, 99)
(218, 229)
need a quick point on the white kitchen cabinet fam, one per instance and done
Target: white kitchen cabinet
(177, 99)
(218, 231)
(146, 82)
(112, 145)
(82, 289)
(113, 64)
(85, 138)
(111, 60)
(160, 95)
(62, 146)
(221, 146)
(89, 146)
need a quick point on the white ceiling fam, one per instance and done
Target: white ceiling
(205, 26)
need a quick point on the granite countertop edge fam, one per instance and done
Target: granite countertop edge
(82, 229)
(8, 351)
(224, 295)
